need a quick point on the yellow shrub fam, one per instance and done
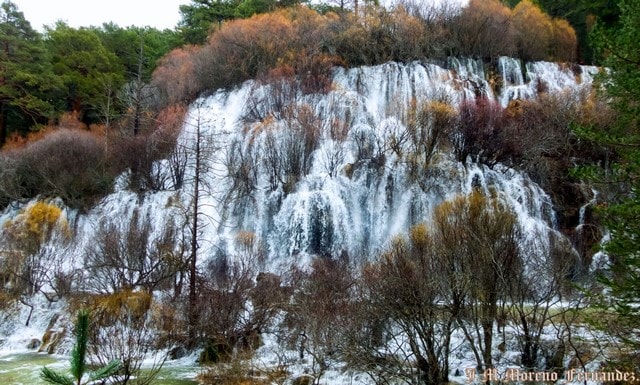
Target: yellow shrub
(36, 225)
(534, 31)
(126, 303)
(419, 235)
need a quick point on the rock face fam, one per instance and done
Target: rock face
(53, 336)
(50, 340)
(34, 343)
(177, 352)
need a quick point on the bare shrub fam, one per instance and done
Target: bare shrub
(271, 95)
(140, 154)
(233, 310)
(242, 175)
(170, 121)
(126, 256)
(536, 292)
(10, 189)
(450, 275)
(287, 152)
(486, 261)
(333, 155)
(429, 125)
(69, 164)
(402, 290)
(126, 332)
(319, 311)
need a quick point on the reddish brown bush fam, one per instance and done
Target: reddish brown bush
(483, 133)
(311, 43)
(175, 76)
(138, 154)
(314, 72)
(70, 164)
(242, 49)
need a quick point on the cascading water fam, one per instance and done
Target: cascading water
(539, 76)
(324, 174)
(356, 193)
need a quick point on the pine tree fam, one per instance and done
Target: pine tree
(26, 77)
(78, 359)
(620, 48)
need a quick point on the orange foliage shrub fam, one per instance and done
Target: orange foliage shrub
(310, 43)
(314, 72)
(564, 44)
(533, 30)
(378, 36)
(242, 49)
(71, 120)
(488, 29)
(175, 75)
(171, 118)
(483, 29)
(17, 141)
(410, 36)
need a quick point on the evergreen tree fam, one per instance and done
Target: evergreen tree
(84, 66)
(198, 17)
(26, 76)
(620, 48)
(78, 360)
(138, 50)
(126, 44)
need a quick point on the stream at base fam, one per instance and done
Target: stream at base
(24, 369)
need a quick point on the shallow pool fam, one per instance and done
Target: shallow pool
(24, 369)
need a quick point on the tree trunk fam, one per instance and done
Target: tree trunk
(193, 299)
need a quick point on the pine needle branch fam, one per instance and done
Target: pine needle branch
(79, 352)
(52, 377)
(108, 370)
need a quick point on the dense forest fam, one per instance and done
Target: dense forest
(87, 112)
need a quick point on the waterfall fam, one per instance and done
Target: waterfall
(352, 193)
(318, 174)
(326, 174)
